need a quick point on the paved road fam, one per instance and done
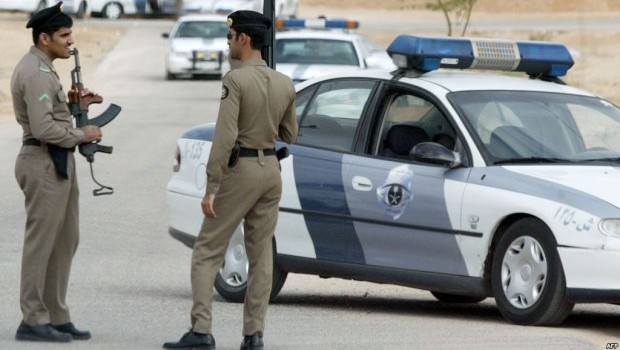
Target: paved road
(130, 282)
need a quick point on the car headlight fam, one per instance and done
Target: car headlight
(610, 227)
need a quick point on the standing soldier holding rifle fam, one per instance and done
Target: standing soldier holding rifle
(243, 181)
(45, 171)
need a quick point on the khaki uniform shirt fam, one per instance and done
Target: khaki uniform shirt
(257, 107)
(40, 103)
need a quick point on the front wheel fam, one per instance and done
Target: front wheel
(113, 10)
(232, 280)
(527, 278)
(81, 11)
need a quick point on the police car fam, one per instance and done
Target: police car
(466, 184)
(324, 47)
(197, 46)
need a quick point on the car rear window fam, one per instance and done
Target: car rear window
(201, 29)
(316, 51)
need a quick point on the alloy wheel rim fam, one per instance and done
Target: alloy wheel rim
(235, 268)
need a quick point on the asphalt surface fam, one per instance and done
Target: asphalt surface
(130, 281)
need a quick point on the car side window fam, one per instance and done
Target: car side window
(331, 118)
(409, 120)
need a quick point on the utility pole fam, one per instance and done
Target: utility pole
(269, 10)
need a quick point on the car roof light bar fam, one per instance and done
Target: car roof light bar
(431, 53)
(316, 23)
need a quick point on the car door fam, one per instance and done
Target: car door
(23, 5)
(314, 212)
(405, 215)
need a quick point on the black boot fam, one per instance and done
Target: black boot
(76, 334)
(41, 333)
(191, 340)
(252, 342)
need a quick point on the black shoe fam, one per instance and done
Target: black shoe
(75, 333)
(254, 341)
(41, 333)
(191, 340)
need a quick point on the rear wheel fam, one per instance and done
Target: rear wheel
(527, 278)
(453, 298)
(170, 76)
(232, 280)
(113, 10)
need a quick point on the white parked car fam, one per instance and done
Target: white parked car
(283, 8)
(115, 9)
(30, 6)
(309, 53)
(197, 46)
(468, 185)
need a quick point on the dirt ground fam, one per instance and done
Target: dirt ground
(597, 48)
(92, 41)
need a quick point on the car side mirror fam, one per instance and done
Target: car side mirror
(372, 62)
(434, 153)
(165, 35)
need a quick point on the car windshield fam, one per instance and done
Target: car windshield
(316, 51)
(538, 127)
(202, 29)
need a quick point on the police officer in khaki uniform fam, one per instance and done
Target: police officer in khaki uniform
(257, 107)
(45, 171)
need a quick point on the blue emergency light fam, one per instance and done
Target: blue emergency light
(431, 53)
(316, 23)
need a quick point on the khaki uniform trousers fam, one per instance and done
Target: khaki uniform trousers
(249, 191)
(51, 237)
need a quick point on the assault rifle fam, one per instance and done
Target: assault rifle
(78, 106)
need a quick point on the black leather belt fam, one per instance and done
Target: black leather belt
(250, 152)
(35, 142)
(31, 142)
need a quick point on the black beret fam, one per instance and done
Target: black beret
(244, 19)
(50, 17)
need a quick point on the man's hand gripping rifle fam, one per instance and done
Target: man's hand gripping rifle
(79, 109)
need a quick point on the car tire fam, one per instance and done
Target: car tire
(170, 76)
(527, 278)
(81, 11)
(231, 280)
(40, 6)
(454, 298)
(113, 10)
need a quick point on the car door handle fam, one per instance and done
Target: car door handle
(361, 183)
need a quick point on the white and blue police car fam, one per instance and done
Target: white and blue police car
(309, 48)
(466, 184)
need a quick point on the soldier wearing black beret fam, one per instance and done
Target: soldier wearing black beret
(257, 107)
(50, 187)
(47, 20)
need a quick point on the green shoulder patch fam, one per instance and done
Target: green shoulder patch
(224, 92)
(45, 96)
(45, 69)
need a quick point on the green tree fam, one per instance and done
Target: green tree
(457, 12)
